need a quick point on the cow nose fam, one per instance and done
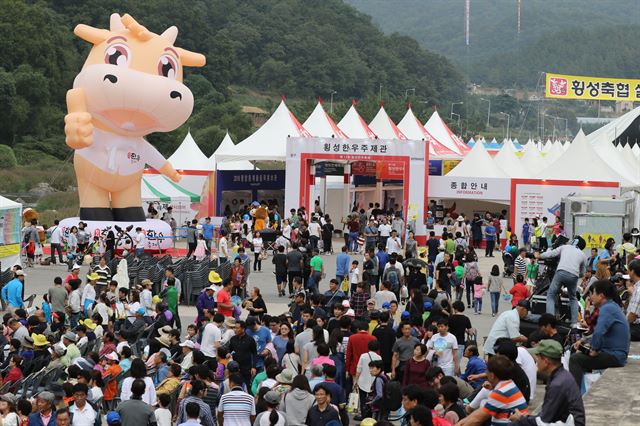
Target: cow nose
(112, 78)
(175, 94)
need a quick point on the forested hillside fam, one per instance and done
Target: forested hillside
(301, 49)
(588, 36)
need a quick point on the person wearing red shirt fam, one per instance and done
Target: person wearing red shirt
(72, 276)
(112, 371)
(358, 344)
(14, 374)
(519, 291)
(223, 299)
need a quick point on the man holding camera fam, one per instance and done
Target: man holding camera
(610, 340)
(571, 267)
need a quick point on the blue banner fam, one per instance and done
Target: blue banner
(435, 167)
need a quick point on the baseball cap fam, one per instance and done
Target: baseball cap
(549, 348)
(386, 305)
(113, 417)
(20, 272)
(187, 344)
(405, 314)
(141, 311)
(233, 366)
(525, 304)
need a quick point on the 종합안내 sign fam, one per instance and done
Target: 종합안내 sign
(561, 86)
(469, 187)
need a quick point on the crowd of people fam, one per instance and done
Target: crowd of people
(388, 340)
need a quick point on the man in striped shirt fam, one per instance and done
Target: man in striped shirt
(198, 389)
(236, 408)
(520, 264)
(504, 399)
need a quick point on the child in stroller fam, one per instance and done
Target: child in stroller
(507, 259)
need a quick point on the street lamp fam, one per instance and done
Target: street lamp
(406, 92)
(452, 104)
(380, 94)
(566, 125)
(488, 111)
(508, 119)
(333, 92)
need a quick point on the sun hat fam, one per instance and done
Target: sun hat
(272, 397)
(214, 277)
(75, 267)
(156, 299)
(286, 376)
(39, 340)
(165, 330)
(8, 397)
(146, 282)
(112, 356)
(368, 422)
(70, 336)
(164, 340)
(187, 344)
(229, 322)
(89, 323)
(93, 276)
(549, 348)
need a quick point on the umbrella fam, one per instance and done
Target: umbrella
(415, 263)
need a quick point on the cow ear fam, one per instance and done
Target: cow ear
(191, 59)
(115, 23)
(91, 34)
(170, 34)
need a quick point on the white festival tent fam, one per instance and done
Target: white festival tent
(321, 125)
(189, 156)
(227, 144)
(582, 162)
(477, 163)
(615, 159)
(354, 125)
(554, 153)
(532, 159)
(10, 232)
(384, 127)
(565, 145)
(636, 150)
(437, 128)
(509, 162)
(412, 128)
(269, 142)
(612, 130)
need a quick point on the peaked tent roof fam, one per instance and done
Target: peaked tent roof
(6, 203)
(189, 156)
(269, 142)
(383, 126)
(321, 125)
(582, 162)
(437, 128)
(355, 126)
(228, 144)
(477, 163)
(618, 128)
(615, 159)
(509, 162)
(554, 153)
(636, 150)
(413, 129)
(532, 159)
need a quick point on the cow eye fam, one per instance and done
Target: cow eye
(117, 54)
(168, 67)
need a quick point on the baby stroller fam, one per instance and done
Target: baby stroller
(507, 259)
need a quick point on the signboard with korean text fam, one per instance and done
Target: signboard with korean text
(409, 157)
(539, 198)
(561, 86)
(328, 168)
(389, 170)
(469, 188)
(363, 168)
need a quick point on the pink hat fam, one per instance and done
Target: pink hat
(351, 313)
(345, 304)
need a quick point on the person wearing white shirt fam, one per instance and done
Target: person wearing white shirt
(56, 241)
(211, 335)
(394, 244)
(528, 365)
(83, 413)
(364, 380)
(223, 248)
(140, 240)
(314, 232)
(445, 345)
(283, 241)
(187, 351)
(384, 229)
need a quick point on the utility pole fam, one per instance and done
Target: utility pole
(488, 111)
(333, 92)
(508, 119)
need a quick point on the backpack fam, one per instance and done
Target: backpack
(393, 277)
(392, 395)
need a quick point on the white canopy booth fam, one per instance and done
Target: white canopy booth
(10, 235)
